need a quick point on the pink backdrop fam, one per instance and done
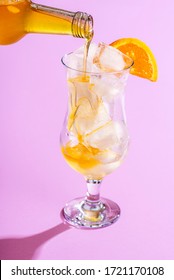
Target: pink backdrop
(35, 181)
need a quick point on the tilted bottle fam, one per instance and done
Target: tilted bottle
(19, 17)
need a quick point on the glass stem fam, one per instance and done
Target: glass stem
(92, 207)
(93, 191)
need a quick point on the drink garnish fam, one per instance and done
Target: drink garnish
(145, 65)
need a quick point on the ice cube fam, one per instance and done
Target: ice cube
(107, 156)
(111, 135)
(102, 116)
(81, 115)
(108, 79)
(123, 139)
(73, 141)
(103, 137)
(89, 118)
(79, 88)
(106, 85)
(79, 53)
(108, 58)
(122, 131)
(76, 61)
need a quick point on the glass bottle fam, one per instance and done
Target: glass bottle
(19, 17)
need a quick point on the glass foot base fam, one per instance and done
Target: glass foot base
(84, 214)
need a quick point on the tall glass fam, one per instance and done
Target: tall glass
(94, 140)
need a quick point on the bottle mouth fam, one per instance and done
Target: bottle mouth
(82, 26)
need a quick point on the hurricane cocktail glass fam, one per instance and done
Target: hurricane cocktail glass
(94, 138)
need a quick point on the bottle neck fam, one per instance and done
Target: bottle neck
(51, 10)
(81, 23)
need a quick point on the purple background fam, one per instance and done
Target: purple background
(35, 181)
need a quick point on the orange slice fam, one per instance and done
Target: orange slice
(145, 65)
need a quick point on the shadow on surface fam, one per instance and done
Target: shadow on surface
(26, 248)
